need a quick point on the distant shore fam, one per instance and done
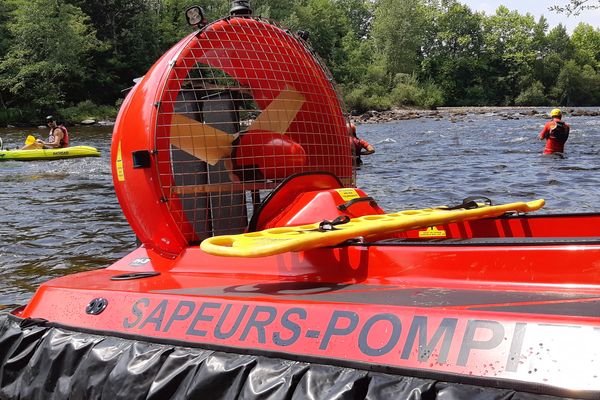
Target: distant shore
(453, 113)
(456, 113)
(398, 114)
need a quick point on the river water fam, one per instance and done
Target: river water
(71, 205)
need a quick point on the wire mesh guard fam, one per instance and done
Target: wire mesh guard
(246, 104)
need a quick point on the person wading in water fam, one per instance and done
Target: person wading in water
(360, 147)
(556, 133)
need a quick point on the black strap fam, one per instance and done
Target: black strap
(470, 203)
(348, 204)
(327, 225)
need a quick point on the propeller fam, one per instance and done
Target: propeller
(210, 144)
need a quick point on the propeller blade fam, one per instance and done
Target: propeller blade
(200, 140)
(278, 115)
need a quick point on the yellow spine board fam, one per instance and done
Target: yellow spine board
(299, 238)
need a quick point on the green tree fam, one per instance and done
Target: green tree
(327, 25)
(172, 25)
(452, 51)
(534, 95)
(399, 27)
(559, 42)
(357, 49)
(48, 59)
(509, 39)
(358, 56)
(540, 42)
(553, 51)
(577, 86)
(586, 41)
(130, 30)
(276, 10)
(360, 16)
(5, 38)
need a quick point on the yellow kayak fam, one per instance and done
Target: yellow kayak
(297, 238)
(49, 154)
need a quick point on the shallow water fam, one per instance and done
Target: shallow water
(427, 162)
(59, 216)
(70, 204)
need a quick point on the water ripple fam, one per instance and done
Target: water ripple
(62, 216)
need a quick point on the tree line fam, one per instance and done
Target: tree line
(75, 57)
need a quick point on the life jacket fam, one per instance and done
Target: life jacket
(64, 142)
(357, 146)
(560, 132)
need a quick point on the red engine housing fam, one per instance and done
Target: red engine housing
(216, 124)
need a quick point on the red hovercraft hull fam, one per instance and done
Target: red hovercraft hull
(505, 307)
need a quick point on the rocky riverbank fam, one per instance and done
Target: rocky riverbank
(455, 114)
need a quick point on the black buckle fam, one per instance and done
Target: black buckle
(326, 225)
(470, 203)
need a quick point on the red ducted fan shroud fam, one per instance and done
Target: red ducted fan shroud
(220, 119)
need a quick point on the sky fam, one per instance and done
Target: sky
(538, 8)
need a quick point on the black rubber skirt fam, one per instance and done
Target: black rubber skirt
(40, 361)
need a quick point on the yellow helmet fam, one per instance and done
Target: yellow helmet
(556, 113)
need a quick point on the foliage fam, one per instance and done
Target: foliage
(277, 10)
(17, 116)
(533, 95)
(399, 39)
(75, 56)
(327, 24)
(48, 59)
(408, 91)
(363, 98)
(127, 28)
(5, 36)
(87, 110)
(509, 39)
(453, 50)
(586, 41)
(578, 86)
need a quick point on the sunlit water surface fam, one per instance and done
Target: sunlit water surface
(62, 216)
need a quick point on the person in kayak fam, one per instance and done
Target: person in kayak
(555, 132)
(360, 147)
(57, 138)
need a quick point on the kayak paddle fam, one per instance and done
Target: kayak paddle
(30, 140)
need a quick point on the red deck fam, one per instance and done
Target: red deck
(514, 314)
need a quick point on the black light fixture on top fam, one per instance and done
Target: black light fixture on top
(195, 16)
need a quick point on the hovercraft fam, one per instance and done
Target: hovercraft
(265, 273)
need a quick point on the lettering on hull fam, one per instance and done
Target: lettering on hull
(392, 337)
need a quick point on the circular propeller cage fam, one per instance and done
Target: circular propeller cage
(238, 107)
